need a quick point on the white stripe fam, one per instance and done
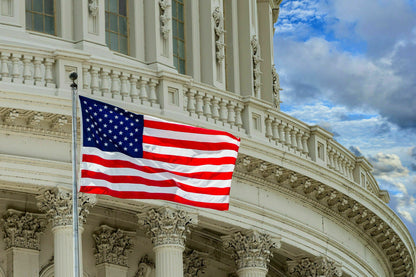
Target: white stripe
(168, 190)
(160, 176)
(166, 150)
(160, 133)
(158, 164)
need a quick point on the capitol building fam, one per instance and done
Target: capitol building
(301, 204)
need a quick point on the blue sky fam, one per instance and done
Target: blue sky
(350, 67)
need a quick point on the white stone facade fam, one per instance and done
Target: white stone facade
(301, 204)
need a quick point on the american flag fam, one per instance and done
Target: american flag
(128, 155)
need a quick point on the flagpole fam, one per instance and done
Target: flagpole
(73, 76)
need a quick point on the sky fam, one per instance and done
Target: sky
(350, 67)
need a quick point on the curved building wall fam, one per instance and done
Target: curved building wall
(300, 203)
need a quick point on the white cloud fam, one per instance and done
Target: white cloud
(389, 166)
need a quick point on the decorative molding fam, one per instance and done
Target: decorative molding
(145, 267)
(219, 34)
(251, 248)
(335, 203)
(276, 88)
(255, 48)
(35, 122)
(166, 225)
(319, 267)
(57, 204)
(193, 264)
(22, 229)
(112, 245)
(164, 5)
(93, 7)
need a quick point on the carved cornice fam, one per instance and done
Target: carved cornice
(145, 267)
(22, 229)
(57, 204)
(193, 264)
(319, 267)
(336, 203)
(251, 249)
(166, 225)
(112, 245)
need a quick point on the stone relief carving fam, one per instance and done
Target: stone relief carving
(193, 264)
(321, 266)
(145, 267)
(57, 204)
(251, 249)
(22, 229)
(255, 47)
(276, 88)
(219, 34)
(166, 225)
(112, 245)
(164, 5)
(93, 7)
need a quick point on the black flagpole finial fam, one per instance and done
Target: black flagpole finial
(73, 76)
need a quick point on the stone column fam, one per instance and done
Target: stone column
(319, 267)
(57, 204)
(111, 249)
(252, 252)
(167, 228)
(22, 234)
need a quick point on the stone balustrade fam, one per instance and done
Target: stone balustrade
(162, 92)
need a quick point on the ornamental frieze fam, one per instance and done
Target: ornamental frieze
(319, 267)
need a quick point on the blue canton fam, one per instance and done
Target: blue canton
(110, 128)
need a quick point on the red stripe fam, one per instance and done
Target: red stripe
(189, 144)
(159, 196)
(126, 164)
(187, 160)
(184, 128)
(117, 179)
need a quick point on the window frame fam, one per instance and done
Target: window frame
(108, 30)
(177, 38)
(43, 14)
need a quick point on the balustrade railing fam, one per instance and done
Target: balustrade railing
(202, 102)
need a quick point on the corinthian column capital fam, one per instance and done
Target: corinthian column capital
(251, 249)
(166, 225)
(112, 245)
(22, 229)
(57, 204)
(319, 267)
(194, 263)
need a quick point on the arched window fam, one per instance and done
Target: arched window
(178, 35)
(40, 16)
(117, 25)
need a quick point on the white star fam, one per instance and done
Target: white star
(115, 137)
(126, 128)
(88, 120)
(116, 117)
(100, 119)
(105, 125)
(131, 124)
(131, 134)
(125, 138)
(130, 144)
(120, 133)
(135, 150)
(115, 108)
(85, 102)
(110, 131)
(125, 148)
(105, 115)
(115, 127)
(100, 110)
(120, 143)
(121, 122)
(105, 144)
(88, 129)
(95, 114)
(111, 121)
(105, 107)
(89, 139)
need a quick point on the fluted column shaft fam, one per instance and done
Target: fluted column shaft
(167, 228)
(169, 260)
(57, 204)
(252, 272)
